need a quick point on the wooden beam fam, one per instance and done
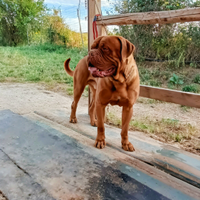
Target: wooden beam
(161, 17)
(173, 96)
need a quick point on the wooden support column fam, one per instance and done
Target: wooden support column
(101, 30)
(94, 8)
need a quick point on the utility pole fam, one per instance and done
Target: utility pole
(78, 14)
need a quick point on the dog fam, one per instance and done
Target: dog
(112, 74)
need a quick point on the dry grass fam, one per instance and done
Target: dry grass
(148, 101)
(165, 130)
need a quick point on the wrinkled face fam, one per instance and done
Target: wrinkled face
(104, 56)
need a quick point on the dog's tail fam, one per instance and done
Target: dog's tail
(67, 68)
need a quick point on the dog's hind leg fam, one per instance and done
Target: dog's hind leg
(78, 90)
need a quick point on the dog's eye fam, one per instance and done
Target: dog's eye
(105, 49)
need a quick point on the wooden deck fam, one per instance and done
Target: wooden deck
(42, 156)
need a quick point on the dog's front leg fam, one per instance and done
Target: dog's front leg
(100, 140)
(127, 113)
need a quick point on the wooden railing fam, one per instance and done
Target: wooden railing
(172, 96)
(162, 17)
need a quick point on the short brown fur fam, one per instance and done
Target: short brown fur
(122, 88)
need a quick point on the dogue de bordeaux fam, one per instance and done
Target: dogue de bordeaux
(111, 72)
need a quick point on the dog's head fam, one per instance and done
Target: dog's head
(108, 56)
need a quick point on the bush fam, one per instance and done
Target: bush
(173, 42)
(175, 80)
(190, 88)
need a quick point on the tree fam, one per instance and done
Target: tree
(18, 18)
(58, 31)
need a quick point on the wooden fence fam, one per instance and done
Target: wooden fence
(162, 17)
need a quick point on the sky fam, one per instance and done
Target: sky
(69, 12)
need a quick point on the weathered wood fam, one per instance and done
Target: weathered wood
(91, 14)
(161, 17)
(102, 30)
(173, 96)
(174, 161)
(93, 9)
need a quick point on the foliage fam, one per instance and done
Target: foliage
(161, 74)
(18, 18)
(30, 22)
(197, 79)
(175, 42)
(59, 33)
(190, 88)
(128, 6)
(175, 80)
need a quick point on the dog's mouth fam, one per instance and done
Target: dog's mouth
(96, 72)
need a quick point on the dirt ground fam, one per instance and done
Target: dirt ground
(27, 98)
(2, 198)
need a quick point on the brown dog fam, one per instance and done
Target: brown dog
(111, 61)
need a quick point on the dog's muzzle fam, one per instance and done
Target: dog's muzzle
(97, 65)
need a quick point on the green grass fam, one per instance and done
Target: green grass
(44, 63)
(41, 63)
(197, 79)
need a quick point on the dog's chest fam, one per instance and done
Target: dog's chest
(119, 96)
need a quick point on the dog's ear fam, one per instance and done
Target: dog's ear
(127, 48)
(96, 42)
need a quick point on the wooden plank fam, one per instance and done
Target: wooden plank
(161, 17)
(173, 96)
(174, 161)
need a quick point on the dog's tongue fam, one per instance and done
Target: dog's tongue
(96, 73)
(92, 69)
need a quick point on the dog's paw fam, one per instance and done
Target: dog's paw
(93, 122)
(100, 144)
(127, 146)
(73, 120)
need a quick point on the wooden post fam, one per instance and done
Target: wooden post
(94, 8)
(101, 30)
